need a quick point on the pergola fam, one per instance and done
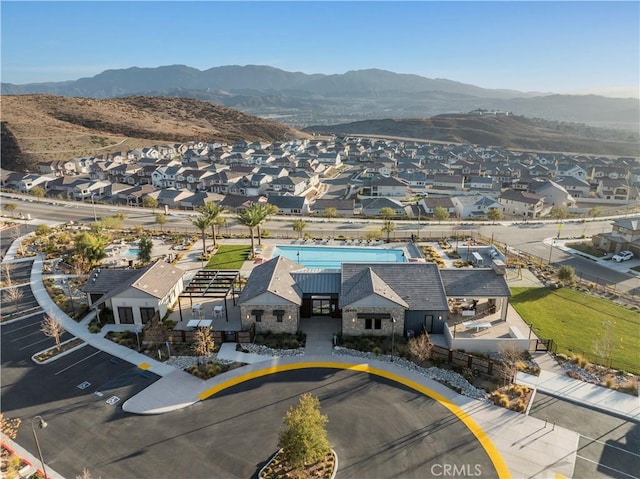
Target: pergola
(215, 284)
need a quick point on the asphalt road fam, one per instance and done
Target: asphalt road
(526, 237)
(608, 447)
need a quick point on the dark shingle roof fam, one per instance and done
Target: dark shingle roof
(274, 277)
(417, 284)
(476, 282)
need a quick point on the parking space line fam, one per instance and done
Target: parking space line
(599, 464)
(32, 344)
(77, 362)
(30, 325)
(592, 440)
(25, 336)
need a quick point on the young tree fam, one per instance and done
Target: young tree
(91, 247)
(52, 328)
(330, 212)
(145, 246)
(154, 332)
(202, 222)
(10, 207)
(604, 346)
(38, 192)
(440, 213)
(567, 274)
(203, 343)
(387, 213)
(13, 294)
(494, 214)
(298, 226)
(420, 347)
(510, 356)
(6, 274)
(162, 220)
(594, 212)
(303, 438)
(150, 202)
(559, 212)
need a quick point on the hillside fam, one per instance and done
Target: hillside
(46, 127)
(515, 132)
(301, 99)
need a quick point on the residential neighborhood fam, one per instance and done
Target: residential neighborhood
(413, 178)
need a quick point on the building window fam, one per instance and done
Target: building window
(373, 323)
(125, 313)
(147, 314)
(258, 314)
(279, 314)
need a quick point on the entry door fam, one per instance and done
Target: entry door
(320, 306)
(428, 323)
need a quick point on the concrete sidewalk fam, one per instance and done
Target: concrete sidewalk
(581, 392)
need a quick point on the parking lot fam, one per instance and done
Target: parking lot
(76, 393)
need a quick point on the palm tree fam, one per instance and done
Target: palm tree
(213, 211)
(264, 211)
(387, 227)
(202, 222)
(250, 218)
(298, 226)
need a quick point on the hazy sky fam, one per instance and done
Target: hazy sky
(561, 47)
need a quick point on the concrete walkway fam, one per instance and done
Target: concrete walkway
(586, 394)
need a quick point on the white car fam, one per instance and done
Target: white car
(622, 256)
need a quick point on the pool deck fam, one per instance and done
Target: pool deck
(411, 253)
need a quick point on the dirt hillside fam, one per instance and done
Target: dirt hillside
(45, 127)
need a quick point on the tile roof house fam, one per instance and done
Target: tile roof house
(135, 295)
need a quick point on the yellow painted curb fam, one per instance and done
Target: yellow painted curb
(481, 436)
(144, 366)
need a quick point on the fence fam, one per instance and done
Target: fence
(478, 364)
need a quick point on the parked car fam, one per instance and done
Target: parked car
(622, 256)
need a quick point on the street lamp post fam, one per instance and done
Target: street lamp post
(41, 424)
(137, 331)
(393, 324)
(73, 308)
(551, 250)
(418, 205)
(95, 217)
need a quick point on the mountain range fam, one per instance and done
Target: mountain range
(302, 100)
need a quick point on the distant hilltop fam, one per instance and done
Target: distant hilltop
(301, 99)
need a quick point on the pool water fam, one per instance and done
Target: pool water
(131, 253)
(333, 257)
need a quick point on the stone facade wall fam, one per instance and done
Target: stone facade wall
(269, 320)
(354, 326)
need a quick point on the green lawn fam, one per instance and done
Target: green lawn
(229, 257)
(574, 320)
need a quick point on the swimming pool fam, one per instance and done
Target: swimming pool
(333, 257)
(131, 253)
